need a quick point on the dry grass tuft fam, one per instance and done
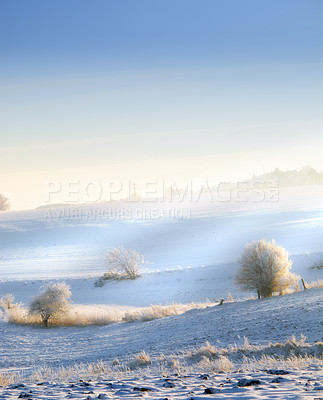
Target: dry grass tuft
(174, 364)
(78, 317)
(291, 348)
(76, 372)
(152, 312)
(21, 316)
(159, 311)
(274, 362)
(293, 354)
(141, 360)
(314, 284)
(230, 298)
(9, 378)
(222, 364)
(205, 351)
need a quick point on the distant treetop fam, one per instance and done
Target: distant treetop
(4, 203)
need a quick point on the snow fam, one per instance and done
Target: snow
(279, 318)
(191, 386)
(191, 259)
(37, 244)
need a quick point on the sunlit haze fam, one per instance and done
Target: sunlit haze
(103, 90)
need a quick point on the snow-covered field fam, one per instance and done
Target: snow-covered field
(176, 369)
(192, 249)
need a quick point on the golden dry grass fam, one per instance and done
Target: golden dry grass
(100, 316)
(314, 284)
(8, 378)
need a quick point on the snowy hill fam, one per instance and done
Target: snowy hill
(233, 338)
(191, 259)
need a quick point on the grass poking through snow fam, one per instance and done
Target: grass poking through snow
(292, 354)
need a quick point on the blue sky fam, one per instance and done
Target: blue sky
(217, 88)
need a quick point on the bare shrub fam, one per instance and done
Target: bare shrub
(318, 266)
(122, 264)
(52, 302)
(264, 266)
(4, 203)
(7, 301)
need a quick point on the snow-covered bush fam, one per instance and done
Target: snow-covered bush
(123, 264)
(265, 267)
(52, 302)
(4, 203)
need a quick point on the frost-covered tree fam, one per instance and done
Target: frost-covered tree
(265, 267)
(4, 203)
(124, 264)
(52, 302)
